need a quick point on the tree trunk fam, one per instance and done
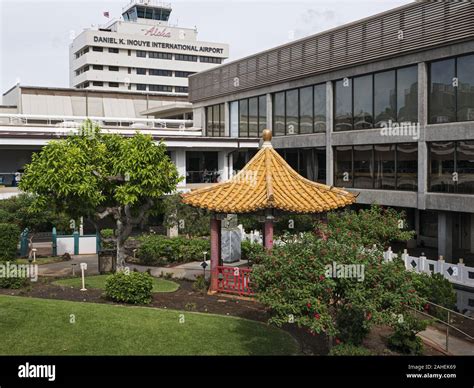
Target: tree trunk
(123, 232)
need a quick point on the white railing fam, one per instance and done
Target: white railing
(455, 273)
(76, 121)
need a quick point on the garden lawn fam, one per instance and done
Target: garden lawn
(32, 326)
(98, 281)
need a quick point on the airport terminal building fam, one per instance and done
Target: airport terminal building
(383, 106)
(141, 52)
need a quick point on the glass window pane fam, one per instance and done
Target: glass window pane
(234, 119)
(466, 88)
(343, 106)
(363, 99)
(465, 167)
(216, 120)
(209, 121)
(385, 97)
(292, 112)
(407, 94)
(320, 160)
(320, 108)
(407, 167)
(307, 165)
(343, 166)
(441, 167)
(306, 110)
(279, 114)
(253, 117)
(442, 104)
(262, 114)
(291, 157)
(384, 167)
(222, 120)
(363, 167)
(243, 118)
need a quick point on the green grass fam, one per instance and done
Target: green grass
(32, 326)
(41, 260)
(98, 281)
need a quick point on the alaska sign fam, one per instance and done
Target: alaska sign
(156, 31)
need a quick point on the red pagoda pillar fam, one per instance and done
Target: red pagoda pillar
(215, 250)
(268, 231)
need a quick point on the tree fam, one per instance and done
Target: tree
(334, 280)
(98, 175)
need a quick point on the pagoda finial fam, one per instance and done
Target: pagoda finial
(267, 138)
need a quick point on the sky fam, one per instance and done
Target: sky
(35, 34)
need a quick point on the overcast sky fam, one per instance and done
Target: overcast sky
(35, 34)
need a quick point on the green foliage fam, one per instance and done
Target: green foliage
(189, 220)
(294, 223)
(437, 289)
(9, 238)
(296, 278)
(107, 238)
(12, 282)
(201, 284)
(251, 251)
(404, 339)
(375, 225)
(19, 210)
(133, 287)
(349, 350)
(160, 250)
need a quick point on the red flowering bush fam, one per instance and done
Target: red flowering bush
(300, 281)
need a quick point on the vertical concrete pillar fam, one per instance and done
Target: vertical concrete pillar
(422, 147)
(269, 112)
(226, 119)
(329, 126)
(179, 159)
(445, 235)
(199, 118)
(215, 238)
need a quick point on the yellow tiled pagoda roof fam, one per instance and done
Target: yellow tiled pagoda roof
(268, 182)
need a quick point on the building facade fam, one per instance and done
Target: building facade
(141, 52)
(383, 106)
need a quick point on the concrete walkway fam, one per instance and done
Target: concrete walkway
(456, 346)
(65, 268)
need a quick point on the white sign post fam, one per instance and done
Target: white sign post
(83, 268)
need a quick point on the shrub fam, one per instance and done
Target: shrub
(160, 250)
(13, 282)
(349, 350)
(251, 251)
(351, 323)
(133, 287)
(9, 238)
(201, 284)
(405, 339)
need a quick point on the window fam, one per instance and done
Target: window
(384, 97)
(202, 167)
(113, 50)
(452, 90)
(97, 83)
(253, 117)
(451, 167)
(383, 167)
(160, 88)
(97, 67)
(113, 85)
(442, 105)
(363, 102)
(308, 162)
(141, 71)
(243, 118)
(215, 120)
(181, 89)
(141, 54)
(186, 57)
(162, 73)
(113, 68)
(240, 159)
(371, 100)
(249, 116)
(343, 105)
(300, 111)
(262, 114)
(158, 55)
(210, 59)
(141, 87)
(234, 118)
(183, 74)
(98, 49)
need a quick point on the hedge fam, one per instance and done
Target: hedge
(9, 238)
